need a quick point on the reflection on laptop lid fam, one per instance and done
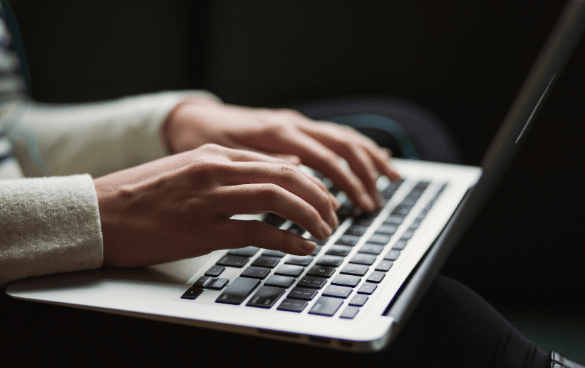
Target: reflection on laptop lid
(359, 287)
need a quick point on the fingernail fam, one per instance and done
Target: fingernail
(368, 202)
(326, 230)
(334, 220)
(308, 246)
(376, 197)
(335, 203)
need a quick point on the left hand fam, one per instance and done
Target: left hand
(287, 134)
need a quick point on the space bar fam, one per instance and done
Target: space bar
(238, 290)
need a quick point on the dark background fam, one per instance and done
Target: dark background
(464, 60)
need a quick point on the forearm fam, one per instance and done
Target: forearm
(94, 138)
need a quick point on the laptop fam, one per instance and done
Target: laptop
(358, 289)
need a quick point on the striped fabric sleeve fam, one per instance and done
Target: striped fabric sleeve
(11, 88)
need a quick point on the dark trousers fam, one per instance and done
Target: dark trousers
(451, 327)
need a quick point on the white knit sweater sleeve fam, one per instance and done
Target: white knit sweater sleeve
(94, 138)
(51, 224)
(48, 225)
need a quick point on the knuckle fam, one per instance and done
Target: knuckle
(268, 192)
(210, 147)
(287, 172)
(289, 112)
(288, 240)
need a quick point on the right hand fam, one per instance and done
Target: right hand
(180, 206)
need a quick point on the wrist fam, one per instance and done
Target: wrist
(169, 129)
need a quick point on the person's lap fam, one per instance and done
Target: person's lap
(451, 327)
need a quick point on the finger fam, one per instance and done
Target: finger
(384, 165)
(290, 178)
(258, 198)
(239, 155)
(293, 159)
(358, 159)
(316, 155)
(323, 187)
(238, 234)
(244, 155)
(380, 156)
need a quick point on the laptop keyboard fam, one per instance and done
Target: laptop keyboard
(289, 283)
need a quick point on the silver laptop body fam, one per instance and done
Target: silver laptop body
(429, 228)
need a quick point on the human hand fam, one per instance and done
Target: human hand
(319, 145)
(180, 206)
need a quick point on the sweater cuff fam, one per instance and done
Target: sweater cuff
(48, 225)
(159, 106)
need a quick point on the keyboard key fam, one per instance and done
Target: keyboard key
(400, 245)
(350, 240)
(316, 251)
(356, 230)
(312, 282)
(265, 297)
(363, 259)
(364, 221)
(299, 260)
(192, 293)
(318, 241)
(337, 291)
(244, 252)
(215, 271)
(321, 271)
(203, 282)
(269, 262)
(415, 225)
(233, 261)
(302, 293)
(346, 209)
(326, 306)
(409, 201)
(219, 284)
(367, 288)
(297, 229)
(376, 277)
(379, 239)
(274, 220)
(359, 300)
(293, 305)
(255, 272)
(349, 312)
(392, 255)
(374, 249)
(332, 261)
(394, 220)
(339, 250)
(384, 266)
(421, 185)
(346, 280)
(273, 253)
(391, 189)
(354, 269)
(289, 270)
(238, 291)
(407, 235)
(401, 210)
(280, 281)
(387, 229)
